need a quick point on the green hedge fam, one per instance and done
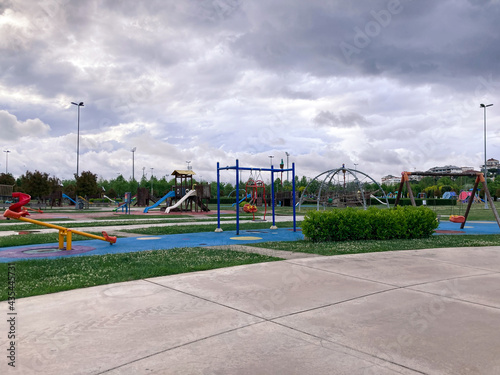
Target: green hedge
(373, 224)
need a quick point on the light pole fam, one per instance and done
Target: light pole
(7, 161)
(133, 162)
(271, 159)
(78, 137)
(484, 106)
(287, 155)
(188, 162)
(152, 181)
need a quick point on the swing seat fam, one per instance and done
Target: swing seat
(457, 218)
(250, 208)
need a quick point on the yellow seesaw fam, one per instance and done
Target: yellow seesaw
(15, 212)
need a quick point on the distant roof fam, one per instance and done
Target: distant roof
(183, 172)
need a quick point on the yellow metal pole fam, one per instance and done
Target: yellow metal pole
(65, 232)
(68, 240)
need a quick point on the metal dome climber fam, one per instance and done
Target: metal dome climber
(341, 187)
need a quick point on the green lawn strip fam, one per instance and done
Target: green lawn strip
(355, 247)
(178, 229)
(135, 217)
(76, 224)
(43, 276)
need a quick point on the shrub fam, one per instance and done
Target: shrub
(373, 224)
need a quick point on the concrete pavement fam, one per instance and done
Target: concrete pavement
(408, 312)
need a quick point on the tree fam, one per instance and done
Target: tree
(36, 184)
(119, 185)
(86, 184)
(7, 179)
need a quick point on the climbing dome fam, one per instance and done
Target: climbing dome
(342, 187)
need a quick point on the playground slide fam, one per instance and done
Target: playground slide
(170, 194)
(24, 199)
(244, 198)
(189, 194)
(65, 196)
(109, 199)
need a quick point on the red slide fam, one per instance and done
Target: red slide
(15, 209)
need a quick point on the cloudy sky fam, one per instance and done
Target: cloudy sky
(388, 85)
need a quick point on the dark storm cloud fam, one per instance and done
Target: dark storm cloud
(413, 41)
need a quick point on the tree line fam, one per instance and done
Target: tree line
(40, 185)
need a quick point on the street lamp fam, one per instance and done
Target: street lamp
(78, 137)
(7, 161)
(287, 155)
(152, 181)
(484, 106)
(133, 161)
(188, 162)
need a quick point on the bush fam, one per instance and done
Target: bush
(373, 224)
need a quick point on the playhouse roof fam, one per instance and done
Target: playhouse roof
(179, 172)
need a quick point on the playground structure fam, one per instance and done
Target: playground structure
(184, 194)
(237, 170)
(405, 181)
(17, 212)
(5, 192)
(341, 187)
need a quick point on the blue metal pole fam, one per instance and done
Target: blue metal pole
(237, 198)
(272, 196)
(293, 197)
(218, 197)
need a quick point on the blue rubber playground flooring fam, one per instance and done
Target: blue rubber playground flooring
(142, 243)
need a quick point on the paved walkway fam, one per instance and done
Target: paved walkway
(409, 312)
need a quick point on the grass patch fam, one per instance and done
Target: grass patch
(43, 276)
(17, 226)
(355, 247)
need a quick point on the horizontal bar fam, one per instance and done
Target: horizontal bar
(443, 174)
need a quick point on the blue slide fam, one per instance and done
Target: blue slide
(242, 199)
(65, 196)
(170, 194)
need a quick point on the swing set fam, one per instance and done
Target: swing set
(454, 218)
(254, 184)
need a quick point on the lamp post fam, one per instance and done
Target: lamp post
(7, 161)
(133, 162)
(484, 106)
(78, 137)
(152, 181)
(287, 155)
(188, 166)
